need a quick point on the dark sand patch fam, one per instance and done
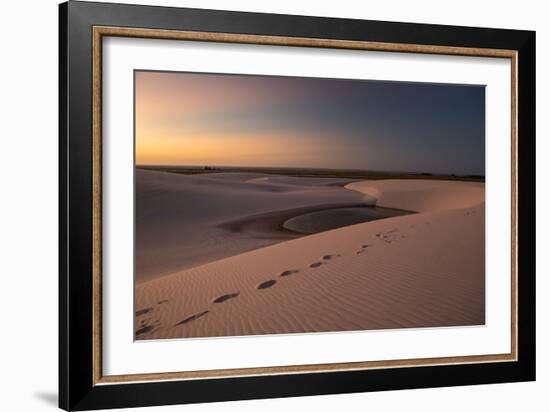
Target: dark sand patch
(271, 225)
(334, 218)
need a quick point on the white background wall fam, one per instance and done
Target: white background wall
(28, 203)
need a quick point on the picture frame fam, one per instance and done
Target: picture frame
(83, 26)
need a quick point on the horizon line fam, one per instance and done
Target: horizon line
(203, 166)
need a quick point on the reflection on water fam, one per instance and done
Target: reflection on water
(323, 220)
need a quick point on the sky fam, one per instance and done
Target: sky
(273, 121)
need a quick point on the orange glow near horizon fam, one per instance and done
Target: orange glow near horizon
(235, 150)
(175, 124)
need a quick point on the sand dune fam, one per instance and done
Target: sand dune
(421, 195)
(178, 217)
(418, 270)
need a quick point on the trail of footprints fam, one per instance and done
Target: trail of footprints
(146, 326)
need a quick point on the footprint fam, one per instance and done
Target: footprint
(316, 264)
(143, 311)
(289, 272)
(360, 251)
(144, 329)
(192, 317)
(267, 284)
(330, 257)
(223, 298)
(145, 326)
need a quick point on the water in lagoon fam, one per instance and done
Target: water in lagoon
(323, 220)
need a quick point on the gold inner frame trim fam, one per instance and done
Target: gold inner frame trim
(101, 31)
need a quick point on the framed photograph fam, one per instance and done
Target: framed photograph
(257, 205)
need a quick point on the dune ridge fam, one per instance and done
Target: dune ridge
(421, 195)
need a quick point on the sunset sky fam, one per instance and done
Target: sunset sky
(239, 120)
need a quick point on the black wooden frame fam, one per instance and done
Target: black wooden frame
(76, 388)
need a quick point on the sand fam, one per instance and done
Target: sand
(418, 270)
(183, 221)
